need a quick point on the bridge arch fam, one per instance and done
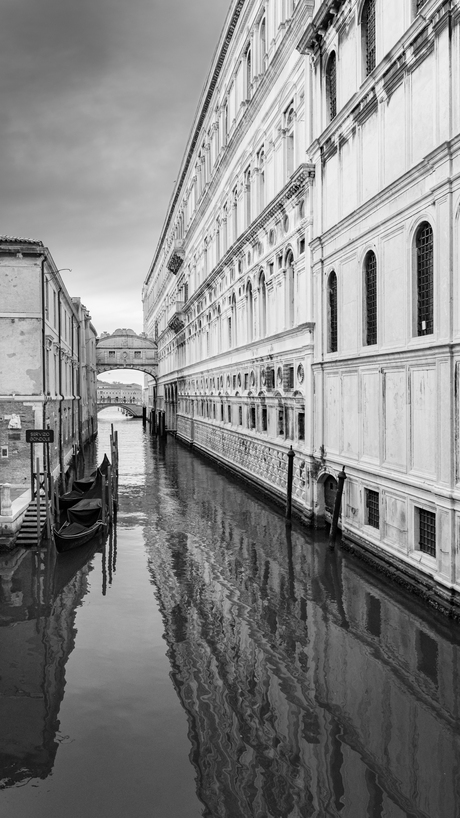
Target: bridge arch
(133, 409)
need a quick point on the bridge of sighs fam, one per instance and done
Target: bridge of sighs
(123, 349)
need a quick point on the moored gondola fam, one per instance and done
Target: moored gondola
(87, 512)
(72, 535)
(70, 498)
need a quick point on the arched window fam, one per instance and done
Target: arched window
(261, 167)
(248, 64)
(424, 267)
(331, 86)
(290, 294)
(368, 36)
(247, 196)
(332, 312)
(289, 123)
(262, 45)
(370, 287)
(262, 305)
(249, 312)
(232, 324)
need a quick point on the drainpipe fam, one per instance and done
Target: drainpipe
(61, 450)
(43, 259)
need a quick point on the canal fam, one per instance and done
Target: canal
(209, 662)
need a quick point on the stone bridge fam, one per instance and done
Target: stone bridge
(126, 350)
(133, 409)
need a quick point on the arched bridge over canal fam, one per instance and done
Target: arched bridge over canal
(123, 349)
(133, 409)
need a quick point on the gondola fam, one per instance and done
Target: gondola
(85, 483)
(69, 499)
(87, 512)
(72, 535)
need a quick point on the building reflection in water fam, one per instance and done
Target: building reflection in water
(39, 595)
(311, 687)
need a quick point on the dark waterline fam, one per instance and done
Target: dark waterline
(210, 663)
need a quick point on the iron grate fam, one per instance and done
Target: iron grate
(424, 247)
(331, 86)
(369, 29)
(373, 508)
(371, 298)
(427, 532)
(333, 312)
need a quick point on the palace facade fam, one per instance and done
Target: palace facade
(304, 290)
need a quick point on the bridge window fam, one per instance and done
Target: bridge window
(137, 354)
(111, 354)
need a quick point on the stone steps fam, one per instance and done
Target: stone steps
(28, 536)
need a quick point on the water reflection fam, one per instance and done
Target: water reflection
(39, 594)
(311, 688)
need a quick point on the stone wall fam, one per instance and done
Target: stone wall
(262, 462)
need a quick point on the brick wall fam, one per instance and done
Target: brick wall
(15, 468)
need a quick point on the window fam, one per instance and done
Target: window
(426, 531)
(235, 213)
(368, 34)
(262, 44)
(290, 278)
(246, 380)
(229, 413)
(252, 417)
(424, 264)
(372, 508)
(261, 181)
(137, 354)
(289, 124)
(370, 286)
(264, 418)
(331, 86)
(247, 196)
(249, 312)
(281, 422)
(240, 415)
(262, 305)
(332, 310)
(301, 426)
(248, 63)
(111, 354)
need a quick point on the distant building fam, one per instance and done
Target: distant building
(47, 361)
(119, 392)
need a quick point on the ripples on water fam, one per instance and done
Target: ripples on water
(239, 669)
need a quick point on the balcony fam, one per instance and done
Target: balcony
(175, 316)
(176, 258)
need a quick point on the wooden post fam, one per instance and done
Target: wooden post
(110, 492)
(290, 472)
(338, 502)
(32, 484)
(47, 506)
(144, 415)
(103, 511)
(38, 502)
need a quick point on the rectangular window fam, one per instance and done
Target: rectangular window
(111, 354)
(246, 380)
(301, 246)
(240, 415)
(252, 417)
(234, 381)
(270, 378)
(372, 508)
(222, 412)
(281, 422)
(427, 531)
(229, 413)
(301, 426)
(137, 354)
(264, 418)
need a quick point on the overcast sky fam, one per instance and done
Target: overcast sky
(98, 98)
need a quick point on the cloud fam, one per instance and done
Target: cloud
(98, 98)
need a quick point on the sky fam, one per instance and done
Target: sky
(98, 98)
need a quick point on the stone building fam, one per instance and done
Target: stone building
(304, 287)
(47, 361)
(119, 392)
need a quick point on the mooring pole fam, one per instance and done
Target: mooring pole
(290, 472)
(38, 502)
(144, 415)
(338, 502)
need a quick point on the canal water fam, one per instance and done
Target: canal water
(209, 662)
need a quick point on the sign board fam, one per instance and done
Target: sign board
(40, 436)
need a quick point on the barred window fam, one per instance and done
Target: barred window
(370, 276)
(372, 508)
(301, 426)
(427, 531)
(419, 4)
(332, 317)
(264, 418)
(240, 415)
(281, 422)
(368, 24)
(331, 86)
(424, 254)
